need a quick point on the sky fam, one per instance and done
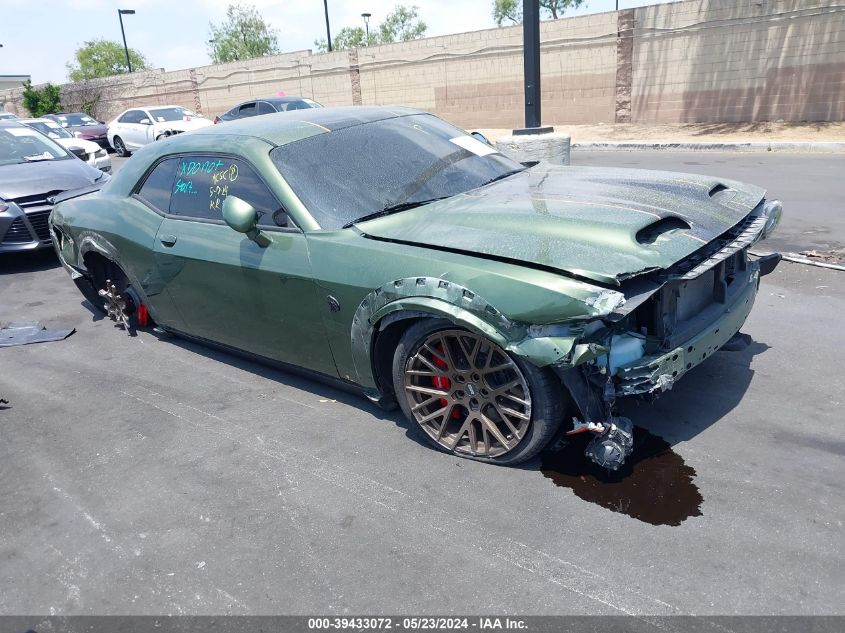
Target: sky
(40, 37)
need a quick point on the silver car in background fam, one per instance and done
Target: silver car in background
(34, 171)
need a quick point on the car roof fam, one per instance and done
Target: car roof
(285, 99)
(287, 127)
(10, 123)
(39, 119)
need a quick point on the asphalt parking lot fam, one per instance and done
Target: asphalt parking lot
(147, 475)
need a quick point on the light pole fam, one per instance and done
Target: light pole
(328, 30)
(120, 14)
(366, 17)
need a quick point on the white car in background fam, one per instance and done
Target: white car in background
(95, 155)
(137, 127)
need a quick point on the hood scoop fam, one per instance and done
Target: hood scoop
(654, 231)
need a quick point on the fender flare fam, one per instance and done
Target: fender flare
(430, 296)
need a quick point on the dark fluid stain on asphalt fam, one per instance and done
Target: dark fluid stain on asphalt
(654, 486)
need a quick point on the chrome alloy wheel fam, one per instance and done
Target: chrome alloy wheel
(468, 394)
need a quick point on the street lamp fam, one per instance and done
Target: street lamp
(120, 14)
(366, 17)
(328, 30)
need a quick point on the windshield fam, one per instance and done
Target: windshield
(23, 145)
(357, 171)
(160, 115)
(303, 104)
(75, 120)
(51, 129)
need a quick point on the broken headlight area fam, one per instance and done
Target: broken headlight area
(670, 322)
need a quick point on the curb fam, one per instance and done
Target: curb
(784, 146)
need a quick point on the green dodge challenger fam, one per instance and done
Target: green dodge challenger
(501, 305)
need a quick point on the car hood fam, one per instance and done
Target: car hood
(599, 223)
(29, 179)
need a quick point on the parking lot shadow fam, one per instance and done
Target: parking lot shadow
(700, 399)
(28, 262)
(655, 485)
(322, 387)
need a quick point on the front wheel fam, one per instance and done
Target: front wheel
(471, 398)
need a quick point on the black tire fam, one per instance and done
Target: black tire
(548, 402)
(120, 147)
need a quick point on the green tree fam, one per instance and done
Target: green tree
(348, 37)
(243, 35)
(511, 10)
(43, 100)
(103, 58)
(401, 25)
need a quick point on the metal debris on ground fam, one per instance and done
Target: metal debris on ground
(26, 332)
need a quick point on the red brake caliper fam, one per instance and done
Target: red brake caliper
(442, 382)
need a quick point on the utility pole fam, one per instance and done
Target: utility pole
(531, 67)
(120, 14)
(328, 30)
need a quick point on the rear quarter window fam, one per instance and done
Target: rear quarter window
(159, 183)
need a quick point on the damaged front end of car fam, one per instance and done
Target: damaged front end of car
(653, 330)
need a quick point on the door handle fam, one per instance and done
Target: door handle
(167, 240)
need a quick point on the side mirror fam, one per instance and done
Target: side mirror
(145, 121)
(479, 136)
(78, 152)
(242, 217)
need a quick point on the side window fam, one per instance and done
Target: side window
(133, 116)
(247, 109)
(156, 188)
(265, 108)
(203, 182)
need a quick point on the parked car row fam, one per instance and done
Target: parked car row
(92, 153)
(136, 127)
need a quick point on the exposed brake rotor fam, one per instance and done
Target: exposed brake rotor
(119, 306)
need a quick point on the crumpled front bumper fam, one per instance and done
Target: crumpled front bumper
(658, 372)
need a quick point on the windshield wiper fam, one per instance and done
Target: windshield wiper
(393, 208)
(503, 176)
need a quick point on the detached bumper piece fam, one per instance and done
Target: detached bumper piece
(24, 333)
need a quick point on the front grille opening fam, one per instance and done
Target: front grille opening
(676, 311)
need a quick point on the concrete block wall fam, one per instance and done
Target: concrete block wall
(692, 61)
(732, 61)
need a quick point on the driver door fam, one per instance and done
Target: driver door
(226, 287)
